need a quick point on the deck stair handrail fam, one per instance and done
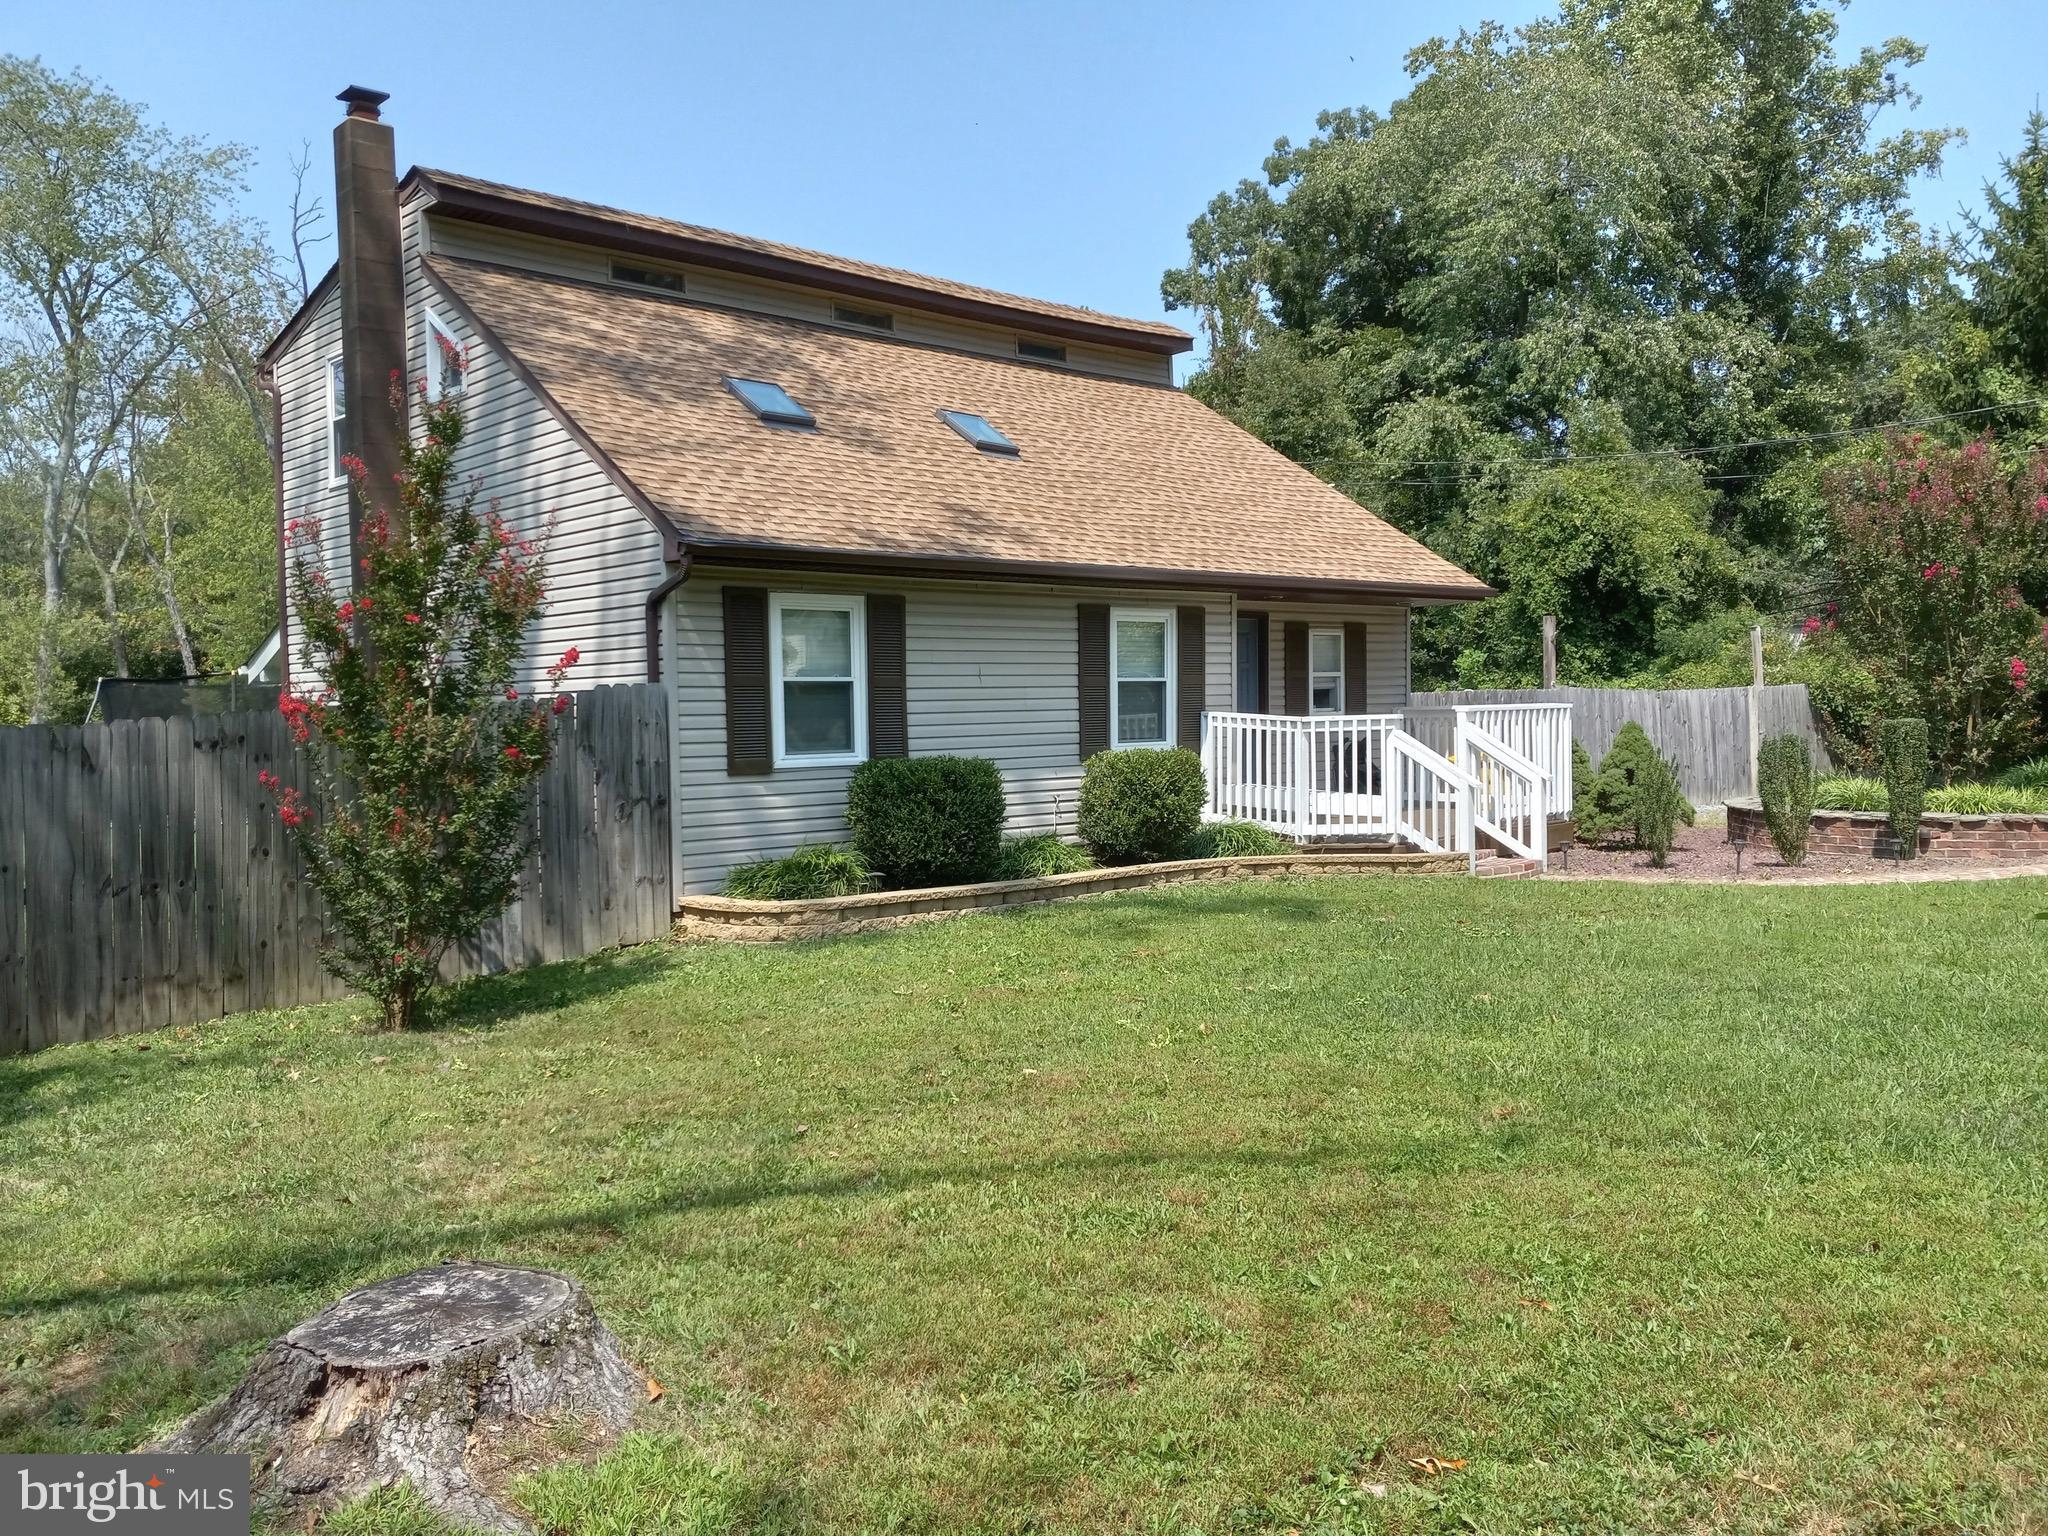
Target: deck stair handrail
(1541, 732)
(1430, 798)
(1510, 795)
(1442, 779)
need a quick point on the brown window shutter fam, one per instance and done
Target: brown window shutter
(1190, 661)
(1093, 635)
(1354, 670)
(888, 712)
(1294, 667)
(749, 728)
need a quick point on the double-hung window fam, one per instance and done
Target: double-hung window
(1326, 671)
(1141, 677)
(820, 688)
(337, 420)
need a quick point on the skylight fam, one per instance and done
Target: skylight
(772, 403)
(978, 432)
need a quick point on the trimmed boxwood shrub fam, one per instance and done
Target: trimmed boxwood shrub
(1027, 858)
(1141, 804)
(1902, 748)
(806, 875)
(1235, 840)
(1784, 785)
(922, 821)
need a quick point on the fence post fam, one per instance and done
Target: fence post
(1756, 699)
(1550, 650)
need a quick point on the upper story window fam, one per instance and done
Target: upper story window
(771, 402)
(1041, 351)
(647, 277)
(1141, 676)
(820, 695)
(868, 319)
(976, 430)
(1326, 671)
(337, 420)
(447, 358)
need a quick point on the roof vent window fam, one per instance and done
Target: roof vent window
(647, 277)
(771, 402)
(866, 319)
(978, 432)
(1043, 351)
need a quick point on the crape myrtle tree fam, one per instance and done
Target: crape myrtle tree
(1934, 547)
(420, 747)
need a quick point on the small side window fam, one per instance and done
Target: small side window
(447, 359)
(337, 420)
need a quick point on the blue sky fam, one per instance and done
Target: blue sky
(1054, 149)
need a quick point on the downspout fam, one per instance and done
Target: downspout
(676, 556)
(266, 379)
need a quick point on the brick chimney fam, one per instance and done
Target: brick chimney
(372, 260)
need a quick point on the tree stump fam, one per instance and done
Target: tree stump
(421, 1379)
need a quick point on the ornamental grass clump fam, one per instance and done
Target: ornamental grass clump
(420, 747)
(1784, 784)
(1902, 748)
(809, 874)
(1032, 858)
(1235, 840)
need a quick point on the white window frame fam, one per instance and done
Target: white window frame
(336, 475)
(1170, 715)
(1335, 678)
(436, 326)
(848, 603)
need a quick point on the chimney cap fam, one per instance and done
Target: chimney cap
(362, 101)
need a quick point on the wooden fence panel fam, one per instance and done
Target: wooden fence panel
(145, 879)
(1705, 731)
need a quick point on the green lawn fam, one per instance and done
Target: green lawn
(1668, 1209)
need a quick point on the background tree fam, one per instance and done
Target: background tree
(1621, 230)
(421, 747)
(124, 268)
(1933, 544)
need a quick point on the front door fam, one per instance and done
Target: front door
(1251, 663)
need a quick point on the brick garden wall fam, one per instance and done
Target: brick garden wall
(1944, 839)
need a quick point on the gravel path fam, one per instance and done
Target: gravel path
(1703, 853)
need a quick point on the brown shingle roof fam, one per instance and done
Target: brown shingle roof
(1113, 475)
(494, 202)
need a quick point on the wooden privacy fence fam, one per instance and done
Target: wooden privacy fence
(145, 879)
(1705, 731)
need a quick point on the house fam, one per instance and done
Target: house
(843, 511)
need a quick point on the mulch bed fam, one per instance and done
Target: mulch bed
(1704, 853)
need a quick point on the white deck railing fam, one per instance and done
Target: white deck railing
(1438, 778)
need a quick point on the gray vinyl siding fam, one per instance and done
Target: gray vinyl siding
(1386, 648)
(602, 555)
(990, 672)
(478, 242)
(300, 378)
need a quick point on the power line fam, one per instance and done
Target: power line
(1567, 460)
